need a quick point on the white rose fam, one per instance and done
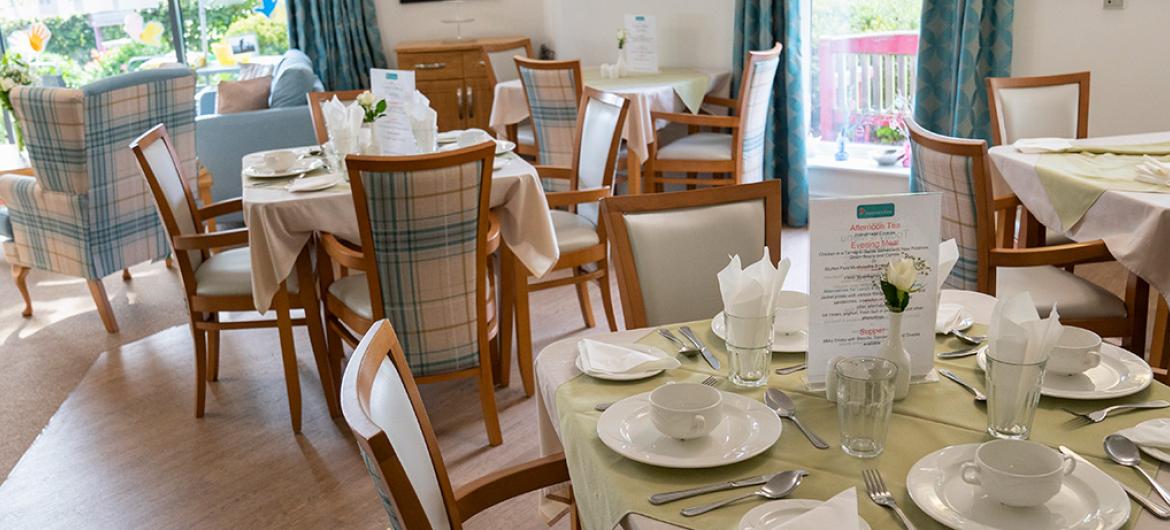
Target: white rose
(902, 274)
(365, 99)
(6, 84)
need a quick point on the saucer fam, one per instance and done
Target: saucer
(781, 342)
(748, 429)
(775, 513)
(1157, 453)
(301, 166)
(1121, 373)
(632, 376)
(504, 146)
(1088, 499)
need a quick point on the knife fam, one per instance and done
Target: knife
(663, 498)
(703, 349)
(1150, 506)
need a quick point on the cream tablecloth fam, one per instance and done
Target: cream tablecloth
(555, 367)
(280, 223)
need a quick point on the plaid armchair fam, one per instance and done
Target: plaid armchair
(87, 212)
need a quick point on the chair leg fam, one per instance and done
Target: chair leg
(523, 329)
(170, 262)
(607, 296)
(1137, 302)
(200, 341)
(586, 305)
(336, 353)
(20, 276)
(487, 400)
(308, 295)
(126, 275)
(288, 354)
(98, 290)
(1159, 356)
(213, 351)
(507, 312)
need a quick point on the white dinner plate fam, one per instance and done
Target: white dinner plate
(1088, 499)
(1157, 453)
(448, 137)
(781, 342)
(632, 376)
(304, 165)
(1121, 373)
(776, 513)
(748, 429)
(315, 183)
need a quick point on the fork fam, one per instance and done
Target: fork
(876, 487)
(1099, 415)
(710, 381)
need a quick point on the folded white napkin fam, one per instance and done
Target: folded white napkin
(947, 318)
(840, 512)
(750, 292)
(614, 359)
(423, 121)
(1043, 145)
(343, 123)
(1153, 433)
(948, 256)
(1153, 171)
(1018, 335)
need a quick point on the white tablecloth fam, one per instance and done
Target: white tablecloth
(280, 223)
(1135, 226)
(509, 106)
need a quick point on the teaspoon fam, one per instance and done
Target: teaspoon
(1123, 451)
(778, 487)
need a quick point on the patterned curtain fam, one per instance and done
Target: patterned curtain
(759, 25)
(341, 37)
(963, 42)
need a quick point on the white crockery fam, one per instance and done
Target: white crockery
(791, 312)
(1076, 350)
(685, 411)
(776, 513)
(281, 159)
(1120, 374)
(1017, 473)
(1157, 453)
(255, 168)
(628, 376)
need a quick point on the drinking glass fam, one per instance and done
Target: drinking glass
(1013, 391)
(865, 399)
(749, 345)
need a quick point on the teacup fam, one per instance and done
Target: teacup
(1076, 350)
(791, 312)
(280, 160)
(686, 410)
(1017, 473)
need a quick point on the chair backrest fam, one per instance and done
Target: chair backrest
(315, 101)
(599, 133)
(552, 90)
(958, 169)
(382, 406)
(669, 246)
(498, 56)
(158, 163)
(423, 222)
(755, 99)
(1038, 107)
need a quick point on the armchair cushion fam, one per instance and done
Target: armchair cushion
(5, 224)
(229, 273)
(1076, 298)
(574, 232)
(698, 146)
(354, 292)
(292, 79)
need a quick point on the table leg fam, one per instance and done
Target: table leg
(1161, 341)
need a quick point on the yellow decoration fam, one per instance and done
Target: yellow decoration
(223, 53)
(151, 33)
(38, 37)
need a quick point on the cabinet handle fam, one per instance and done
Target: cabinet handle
(470, 103)
(430, 66)
(459, 101)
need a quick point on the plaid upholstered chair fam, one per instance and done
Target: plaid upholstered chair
(552, 90)
(738, 153)
(983, 227)
(87, 212)
(498, 57)
(422, 264)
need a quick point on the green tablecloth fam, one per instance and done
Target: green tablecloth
(1074, 181)
(935, 415)
(690, 85)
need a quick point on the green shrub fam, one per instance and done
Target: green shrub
(271, 35)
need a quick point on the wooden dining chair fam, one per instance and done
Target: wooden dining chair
(668, 247)
(738, 153)
(315, 101)
(382, 406)
(1160, 346)
(222, 281)
(580, 233)
(498, 56)
(552, 90)
(982, 225)
(422, 263)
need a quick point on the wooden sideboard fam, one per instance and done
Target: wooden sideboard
(454, 75)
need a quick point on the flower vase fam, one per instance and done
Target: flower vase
(894, 351)
(619, 68)
(366, 139)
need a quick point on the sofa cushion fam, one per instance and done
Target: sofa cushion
(292, 79)
(5, 223)
(242, 96)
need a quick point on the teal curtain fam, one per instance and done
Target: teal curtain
(963, 42)
(341, 37)
(759, 25)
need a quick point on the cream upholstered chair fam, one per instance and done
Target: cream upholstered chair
(315, 101)
(981, 224)
(221, 282)
(580, 234)
(553, 91)
(382, 406)
(669, 246)
(738, 153)
(498, 57)
(422, 264)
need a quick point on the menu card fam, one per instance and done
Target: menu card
(641, 44)
(851, 241)
(392, 133)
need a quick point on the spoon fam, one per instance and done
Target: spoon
(974, 391)
(974, 341)
(779, 487)
(778, 401)
(1123, 451)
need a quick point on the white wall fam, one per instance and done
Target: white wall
(422, 21)
(1126, 50)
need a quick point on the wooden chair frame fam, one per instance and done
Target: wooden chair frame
(733, 122)
(204, 310)
(614, 210)
(503, 45)
(517, 302)
(995, 218)
(316, 99)
(379, 343)
(340, 320)
(538, 64)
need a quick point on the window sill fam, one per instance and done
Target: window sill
(859, 175)
(857, 164)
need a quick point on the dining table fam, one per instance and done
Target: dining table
(668, 90)
(281, 222)
(611, 491)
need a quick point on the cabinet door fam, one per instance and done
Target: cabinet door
(447, 98)
(479, 106)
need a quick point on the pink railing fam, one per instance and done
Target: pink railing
(864, 75)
